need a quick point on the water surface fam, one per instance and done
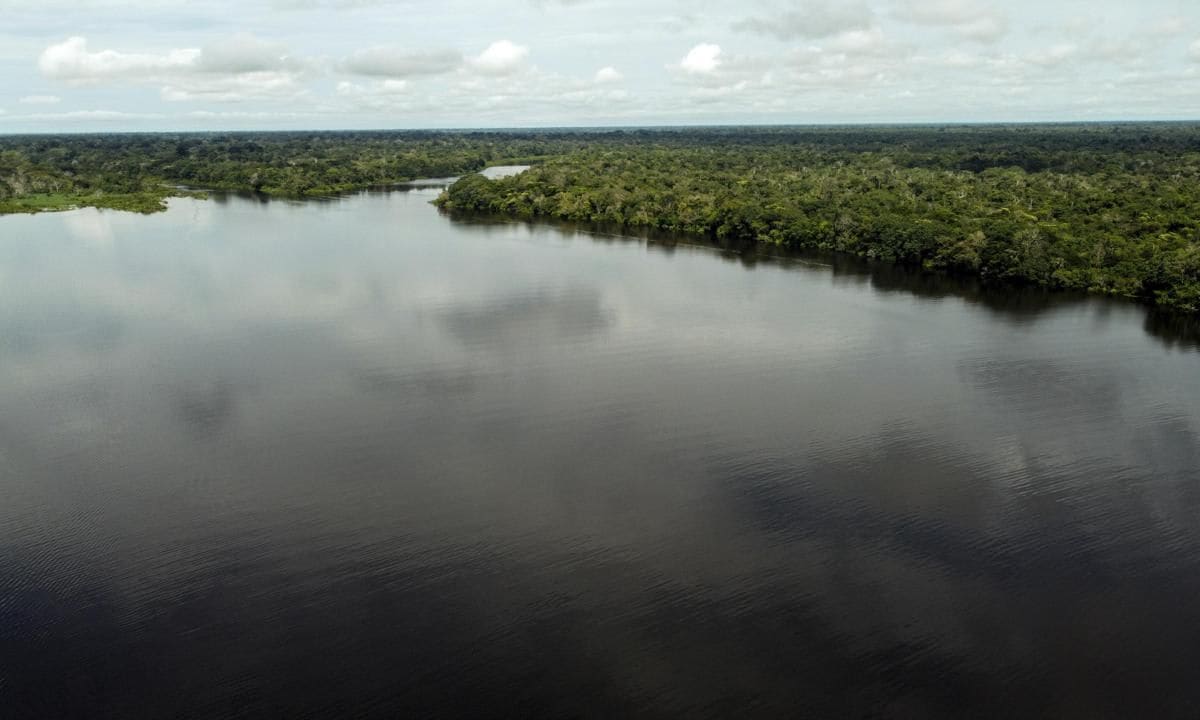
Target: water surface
(358, 459)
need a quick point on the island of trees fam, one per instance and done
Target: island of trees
(1108, 208)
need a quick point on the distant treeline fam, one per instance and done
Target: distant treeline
(1111, 208)
(138, 171)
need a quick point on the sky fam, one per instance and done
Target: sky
(128, 65)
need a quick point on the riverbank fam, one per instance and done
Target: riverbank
(1103, 208)
(46, 173)
(54, 202)
(1094, 218)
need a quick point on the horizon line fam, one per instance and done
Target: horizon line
(615, 128)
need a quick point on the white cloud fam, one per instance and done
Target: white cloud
(339, 5)
(1052, 56)
(608, 75)
(395, 62)
(812, 20)
(87, 115)
(244, 53)
(377, 95)
(71, 60)
(720, 91)
(40, 100)
(502, 57)
(241, 117)
(538, 96)
(704, 59)
(1113, 50)
(971, 19)
(757, 61)
(956, 59)
(860, 42)
(232, 88)
(988, 29)
(711, 74)
(1167, 27)
(942, 12)
(227, 70)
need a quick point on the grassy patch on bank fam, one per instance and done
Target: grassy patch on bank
(56, 202)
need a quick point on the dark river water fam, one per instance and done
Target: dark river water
(356, 458)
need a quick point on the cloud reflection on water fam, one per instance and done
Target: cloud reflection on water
(357, 459)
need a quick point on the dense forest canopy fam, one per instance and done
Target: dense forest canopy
(1107, 208)
(138, 171)
(1111, 208)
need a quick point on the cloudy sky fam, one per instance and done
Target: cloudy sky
(79, 65)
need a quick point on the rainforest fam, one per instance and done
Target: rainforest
(1105, 208)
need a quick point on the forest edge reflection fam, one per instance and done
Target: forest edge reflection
(1007, 300)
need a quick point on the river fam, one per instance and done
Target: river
(356, 458)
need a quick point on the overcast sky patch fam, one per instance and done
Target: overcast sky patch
(286, 64)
